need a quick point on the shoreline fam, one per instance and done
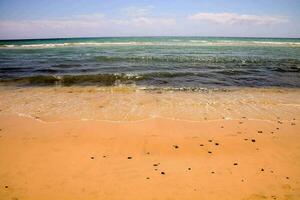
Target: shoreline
(134, 104)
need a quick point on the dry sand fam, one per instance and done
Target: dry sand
(91, 143)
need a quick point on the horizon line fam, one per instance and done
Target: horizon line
(153, 36)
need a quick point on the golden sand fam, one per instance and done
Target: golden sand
(120, 143)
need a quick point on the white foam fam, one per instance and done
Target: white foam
(187, 43)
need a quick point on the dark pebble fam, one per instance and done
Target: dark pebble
(103, 156)
(176, 146)
(189, 168)
(245, 139)
(293, 124)
(92, 157)
(129, 157)
(155, 165)
(209, 152)
(147, 178)
(212, 172)
(259, 131)
(253, 140)
(209, 140)
(163, 173)
(6, 186)
(262, 169)
(240, 122)
(287, 177)
(217, 144)
(235, 164)
(222, 126)
(201, 145)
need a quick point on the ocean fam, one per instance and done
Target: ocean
(152, 62)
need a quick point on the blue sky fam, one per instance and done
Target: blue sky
(90, 18)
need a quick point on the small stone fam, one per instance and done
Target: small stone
(129, 157)
(163, 173)
(287, 177)
(176, 146)
(217, 144)
(212, 172)
(253, 140)
(209, 152)
(235, 164)
(209, 140)
(92, 157)
(259, 131)
(189, 168)
(201, 145)
(147, 178)
(6, 186)
(262, 169)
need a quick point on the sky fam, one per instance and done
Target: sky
(26, 19)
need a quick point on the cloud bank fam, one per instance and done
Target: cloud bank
(237, 19)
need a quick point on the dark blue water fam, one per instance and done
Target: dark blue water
(176, 62)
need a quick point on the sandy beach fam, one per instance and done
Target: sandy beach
(125, 143)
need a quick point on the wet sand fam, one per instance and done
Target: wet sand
(242, 144)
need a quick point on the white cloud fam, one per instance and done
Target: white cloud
(237, 19)
(145, 21)
(134, 11)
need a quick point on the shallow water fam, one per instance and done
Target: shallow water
(132, 104)
(168, 62)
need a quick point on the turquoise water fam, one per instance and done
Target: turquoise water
(175, 62)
